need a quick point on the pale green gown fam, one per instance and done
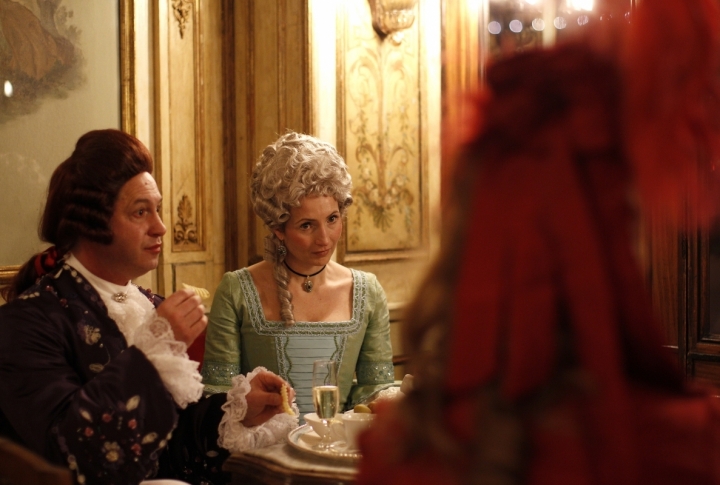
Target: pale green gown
(239, 338)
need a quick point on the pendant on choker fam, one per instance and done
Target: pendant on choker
(120, 297)
(307, 285)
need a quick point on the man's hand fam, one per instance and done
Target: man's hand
(186, 314)
(264, 400)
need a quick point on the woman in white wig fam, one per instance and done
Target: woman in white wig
(298, 305)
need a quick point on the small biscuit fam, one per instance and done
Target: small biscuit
(201, 292)
(362, 408)
(285, 401)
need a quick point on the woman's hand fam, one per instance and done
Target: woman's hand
(264, 400)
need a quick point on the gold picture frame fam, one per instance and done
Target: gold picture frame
(128, 120)
(7, 273)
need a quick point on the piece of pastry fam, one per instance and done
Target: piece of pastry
(286, 401)
(201, 292)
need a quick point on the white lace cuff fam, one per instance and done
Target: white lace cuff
(236, 437)
(156, 339)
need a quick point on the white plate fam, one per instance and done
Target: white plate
(304, 438)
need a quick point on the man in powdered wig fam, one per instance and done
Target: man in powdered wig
(94, 373)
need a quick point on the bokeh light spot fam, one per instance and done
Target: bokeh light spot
(538, 24)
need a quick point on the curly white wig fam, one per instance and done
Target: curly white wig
(293, 167)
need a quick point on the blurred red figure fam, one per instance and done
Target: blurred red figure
(548, 368)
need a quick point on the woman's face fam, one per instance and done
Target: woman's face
(311, 233)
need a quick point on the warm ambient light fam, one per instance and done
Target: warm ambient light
(581, 4)
(8, 89)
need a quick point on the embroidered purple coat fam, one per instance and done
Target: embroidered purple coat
(72, 391)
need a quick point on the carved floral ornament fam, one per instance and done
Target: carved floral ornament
(185, 231)
(182, 9)
(391, 17)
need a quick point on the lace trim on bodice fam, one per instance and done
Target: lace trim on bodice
(277, 328)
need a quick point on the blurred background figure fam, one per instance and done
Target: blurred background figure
(537, 357)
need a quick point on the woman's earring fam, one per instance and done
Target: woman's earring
(281, 250)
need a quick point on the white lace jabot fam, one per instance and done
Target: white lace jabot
(141, 326)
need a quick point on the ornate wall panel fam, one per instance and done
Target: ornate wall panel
(188, 145)
(185, 73)
(381, 132)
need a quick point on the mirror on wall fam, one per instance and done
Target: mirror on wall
(516, 25)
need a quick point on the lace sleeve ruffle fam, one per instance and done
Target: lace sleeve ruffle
(236, 437)
(156, 339)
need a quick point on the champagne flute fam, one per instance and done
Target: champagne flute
(326, 396)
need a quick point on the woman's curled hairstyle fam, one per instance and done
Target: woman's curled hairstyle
(81, 199)
(293, 167)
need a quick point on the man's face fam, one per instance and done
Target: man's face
(137, 230)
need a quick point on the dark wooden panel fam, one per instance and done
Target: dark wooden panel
(660, 255)
(707, 372)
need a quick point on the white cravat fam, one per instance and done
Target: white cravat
(128, 312)
(141, 326)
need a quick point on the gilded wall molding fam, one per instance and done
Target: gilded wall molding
(391, 17)
(185, 230)
(182, 10)
(7, 273)
(184, 132)
(127, 67)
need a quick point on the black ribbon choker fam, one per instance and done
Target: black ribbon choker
(307, 285)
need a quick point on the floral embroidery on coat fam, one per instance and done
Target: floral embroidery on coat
(117, 435)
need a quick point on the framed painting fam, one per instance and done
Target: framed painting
(66, 67)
